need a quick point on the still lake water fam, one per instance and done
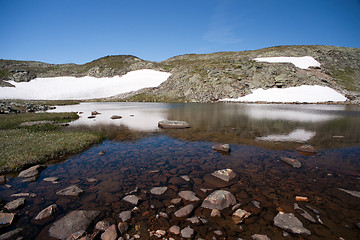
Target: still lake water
(140, 156)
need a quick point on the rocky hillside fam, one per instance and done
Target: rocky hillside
(210, 77)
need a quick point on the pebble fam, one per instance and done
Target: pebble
(123, 227)
(158, 190)
(51, 179)
(175, 230)
(110, 233)
(301, 199)
(73, 191)
(184, 211)
(15, 204)
(102, 225)
(260, 237)
(219, 199)
(187, 232)
(291, 161)
(131, 199)
(224, 174)
(189, 196)
(186, 178)
(176, 201)
(288, 222)
(215, 213)
(239, 216)
(47, 212)
(125, 216)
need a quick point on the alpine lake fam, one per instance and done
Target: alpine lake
(136, 156)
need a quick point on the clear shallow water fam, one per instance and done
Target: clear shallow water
(132, 154)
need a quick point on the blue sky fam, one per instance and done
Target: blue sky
(79, 31)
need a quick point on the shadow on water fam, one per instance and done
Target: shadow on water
(142, 157)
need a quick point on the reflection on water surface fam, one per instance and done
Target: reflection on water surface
(141, 156)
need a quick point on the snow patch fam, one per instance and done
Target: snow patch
(304, 93)
(67, 88)
(300, 62)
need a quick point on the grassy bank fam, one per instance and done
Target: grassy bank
(24, 146)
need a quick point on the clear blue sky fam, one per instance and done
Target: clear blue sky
(79, 31)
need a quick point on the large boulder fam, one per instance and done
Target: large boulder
(219, 199)
(73, 222)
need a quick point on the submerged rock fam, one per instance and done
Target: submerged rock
(187, 232)
(288, 222)
(123, 227)
(75, 221)
(239, 216)
(15, 204)
(31, 195)
(6, 218)
(306, 149)
(224, 174)
(184, 211)
(173, 124)
(158, 190)
(73, 191)
(189, 196)
(353, 193)
(33, 171)
(2, 180)
(102, 225)
(223, 148)
(291, 161)
(125, 216)
(304, 213)
(47, 212)
(14, 234)
(219, 199)
(110, 233)
(175, 230)
(132, 199)
(260, 237)
(51, 179)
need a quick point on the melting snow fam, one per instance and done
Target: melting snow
(305, 93)
(64, 88)
(300, 62)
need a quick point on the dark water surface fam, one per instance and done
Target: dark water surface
(259, 135)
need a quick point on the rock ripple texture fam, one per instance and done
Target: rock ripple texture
(219, 199)
(73, 222)
(288, 222)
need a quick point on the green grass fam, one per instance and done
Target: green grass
(347, 78)
(25, 146)
(14, 120)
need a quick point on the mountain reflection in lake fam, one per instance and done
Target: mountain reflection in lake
(140, 156)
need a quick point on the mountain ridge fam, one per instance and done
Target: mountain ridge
(213, 76)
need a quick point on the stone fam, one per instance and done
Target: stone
(91, 180)
(158, 190)
(175, 230)
(47, 212)
(186, 178)
(215, 213)
(161, 232)
(307, 149)
(353, 193)
(194, 220)
(166, 124)
(110, 233)
(291, 161)
(102, 225)
(301, 199)
(304, 213)
(288, 222)
(189, 196)
(184, 211)
(187, 232)
(219, 199)
(73, 222)
(224, 174)
(33, 171)
(260, 237)
(30, 179)
(176, 201)
(239, 216)
(15, 204)
(102, 153)
(218, 232)
(73, 191)
(6, 218)
(14, 234)
(125, 215)
(77, 235)
(116, 117)
(31, 195)
(51, 179)
(123, 227)
(223, 148)
(132, 199)
(91, 117)
(2, 180)
(94, 113)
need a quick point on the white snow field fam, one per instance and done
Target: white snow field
(67, 88)
(302, 94)
(300, 62)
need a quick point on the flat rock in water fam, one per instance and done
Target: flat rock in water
(175, 230)
(51, 179)
(187, 232)
(15, 204)
(184, 211)
(224, 174)
(288, 222)
(116, 117)
(6, 218)
(158, 190)
(239, 216)
(353, 193)
(33, 171)
(32, 195)
(47, 212)
(189, 196)
(291, 161)
(219, 199)
(306, 149)
(110, 233)
(132, 199)
(73, 191)
(216, 182)
(223, 148)
(173, 124)
(260, 237)
(73, 222)
(14, 234)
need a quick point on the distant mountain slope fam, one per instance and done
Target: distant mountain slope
(210, 77)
